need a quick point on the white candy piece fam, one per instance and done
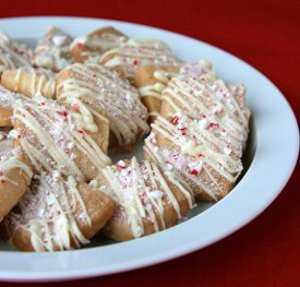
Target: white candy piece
(204, 124)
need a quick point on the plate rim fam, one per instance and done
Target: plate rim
(39, 276)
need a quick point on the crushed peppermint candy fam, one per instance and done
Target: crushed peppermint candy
(156, 194)
(174, 120)
(59, 40)
(195, 167)
(204, 123)
(218, 109)
(121, 164)
(75, 107)
(227, 150)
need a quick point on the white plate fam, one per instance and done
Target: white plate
(274, 147)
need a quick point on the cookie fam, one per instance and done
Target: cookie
(52, 138)
(197, 90)
(53, 50)
(12, 54)
(94, 88)
(29, 81)
(147, 199)
(57, 214)
(92, 47)
(15, 175)
(202, 133)
(133, 54)
(7, 101)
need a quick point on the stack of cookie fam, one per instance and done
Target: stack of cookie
(66, 104)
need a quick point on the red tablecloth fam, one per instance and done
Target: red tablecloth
(266, 35)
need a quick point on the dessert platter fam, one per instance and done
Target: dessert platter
(123, 145)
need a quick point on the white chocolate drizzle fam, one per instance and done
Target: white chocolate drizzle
(161, 81)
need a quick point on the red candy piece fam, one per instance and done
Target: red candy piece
(174, 120)
(121, 164)
(75, 107)
(143, 201)
(194, 172)
(63, 113)
(211, 125)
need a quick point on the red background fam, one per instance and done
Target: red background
(265, 34)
